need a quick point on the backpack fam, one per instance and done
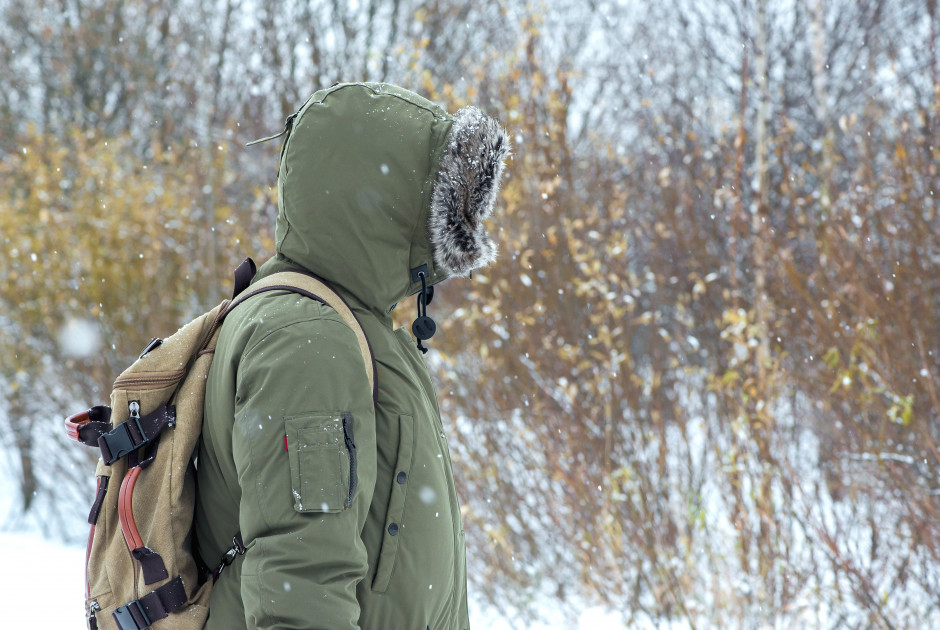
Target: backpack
(141, 570)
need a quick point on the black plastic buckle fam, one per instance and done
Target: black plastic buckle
(125, 619)
(120, 441)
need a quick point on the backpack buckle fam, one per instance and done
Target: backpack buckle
(127, 619)
(120, 441)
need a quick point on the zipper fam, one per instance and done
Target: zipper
(351, 448)
(91, 607)
(151, 381)
(137, 570)
(91, 540)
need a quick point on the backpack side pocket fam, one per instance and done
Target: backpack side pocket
(97, 585)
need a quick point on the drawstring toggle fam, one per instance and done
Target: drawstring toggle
(424, 327)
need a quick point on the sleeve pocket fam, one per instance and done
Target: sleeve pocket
(322, 454)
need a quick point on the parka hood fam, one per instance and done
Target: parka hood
(377, 183)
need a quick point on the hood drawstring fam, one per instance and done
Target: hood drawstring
(287, 127)
(424, 327)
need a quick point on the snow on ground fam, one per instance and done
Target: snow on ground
(46, 580)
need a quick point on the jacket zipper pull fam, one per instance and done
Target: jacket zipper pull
(351, 450)
(134, 408)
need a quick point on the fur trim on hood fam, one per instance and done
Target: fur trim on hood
(465, 192)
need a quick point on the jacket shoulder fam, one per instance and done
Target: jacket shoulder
(275, 312)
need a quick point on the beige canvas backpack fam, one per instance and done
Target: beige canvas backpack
(140, 568)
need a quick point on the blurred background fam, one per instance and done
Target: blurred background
(699, 389)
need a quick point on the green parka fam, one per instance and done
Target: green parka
(346, 505)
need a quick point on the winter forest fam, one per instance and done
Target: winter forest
(701, 386)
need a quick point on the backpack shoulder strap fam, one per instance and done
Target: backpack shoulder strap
(316, 289)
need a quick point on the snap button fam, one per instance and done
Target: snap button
(393, 529)
(402, 477)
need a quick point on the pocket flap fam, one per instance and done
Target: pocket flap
(322, 461)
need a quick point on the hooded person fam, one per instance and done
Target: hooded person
(344, 496)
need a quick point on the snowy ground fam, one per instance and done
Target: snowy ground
(46, 582)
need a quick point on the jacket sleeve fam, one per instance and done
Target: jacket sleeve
(304, 450)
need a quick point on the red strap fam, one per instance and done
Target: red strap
(126, 510)
(74, 422)
(87, 426)
(150, 562)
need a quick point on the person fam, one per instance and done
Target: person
(344, 500)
